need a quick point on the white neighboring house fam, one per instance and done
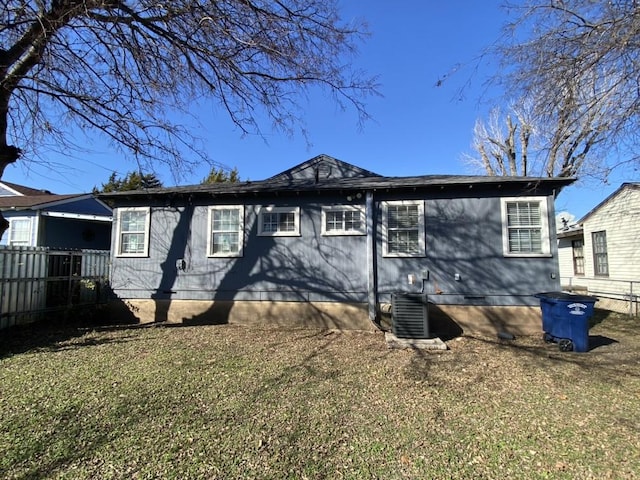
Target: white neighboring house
(600, 254)
(39, 218)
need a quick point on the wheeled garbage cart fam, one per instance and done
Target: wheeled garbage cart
(565, 319)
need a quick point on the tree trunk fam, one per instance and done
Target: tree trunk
(8, 153)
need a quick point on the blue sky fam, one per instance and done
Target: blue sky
(418, 128)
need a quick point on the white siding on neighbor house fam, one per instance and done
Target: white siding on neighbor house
(620, 219)
(565, 261)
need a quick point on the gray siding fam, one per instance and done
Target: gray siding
(463, 236)
(310, 267)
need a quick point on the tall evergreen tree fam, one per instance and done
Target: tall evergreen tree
(220, 175)
(131, 181)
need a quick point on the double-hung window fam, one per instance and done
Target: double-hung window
(226, 231)
(525, 230)
(343, 220)
(19, 231)
(577, 246)
(279, 222)
(600, 255)
(133, 232)
(403, 228)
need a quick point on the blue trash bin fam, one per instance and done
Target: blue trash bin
(565, 319)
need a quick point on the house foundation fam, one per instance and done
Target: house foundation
(446, 321)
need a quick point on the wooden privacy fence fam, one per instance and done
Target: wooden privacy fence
(36, 282)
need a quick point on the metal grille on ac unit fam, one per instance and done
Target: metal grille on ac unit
(410, 315)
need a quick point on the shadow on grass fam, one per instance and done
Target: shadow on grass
(52, 331)
(614, 351)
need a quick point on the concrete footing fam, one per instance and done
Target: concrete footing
(414, 343)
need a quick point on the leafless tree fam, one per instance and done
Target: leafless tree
(578, 64)
(502, 144)
(125, 68)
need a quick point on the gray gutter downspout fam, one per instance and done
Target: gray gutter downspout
(371, 259)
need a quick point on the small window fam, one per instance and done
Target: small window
(226, 231)
(525, 230)
(600, 256)
(20, 231)
(133, 232)
(577, 247)
(279, 222)
(403, 229)
(343, 220)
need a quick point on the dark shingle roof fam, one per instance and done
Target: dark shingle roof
(344, 184)
(26, 190)
(327, 174)
(34, 200)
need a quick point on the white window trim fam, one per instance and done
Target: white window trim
(11, 230)
(421, 230)
(344, 208)
(544, 234)
(272, 209)
(147, 223)
(240, 232)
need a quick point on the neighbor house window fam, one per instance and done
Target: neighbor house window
(600, 257)
(279, 221)
(578, 256)
(525, 228)
(226, 231)
(343, 220)
(20, 231)
(133, 232)
(403, 229)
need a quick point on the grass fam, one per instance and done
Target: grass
(231, 402)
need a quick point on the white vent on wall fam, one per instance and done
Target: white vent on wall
(410, 315)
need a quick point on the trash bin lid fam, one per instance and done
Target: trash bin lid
(566, 296)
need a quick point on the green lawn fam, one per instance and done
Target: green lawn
(232, 402)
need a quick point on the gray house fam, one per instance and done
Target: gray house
(326, 244)
(39, 218)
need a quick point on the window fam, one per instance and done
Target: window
(525, 229)
(20, 231)
(343, 220)
(403, 229)
(226, 230)
(578, 256)
(600, 257)
(133, 232)
(279, 222)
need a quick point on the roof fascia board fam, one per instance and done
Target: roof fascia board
(77, 216)
(607, 200)
(4, 185)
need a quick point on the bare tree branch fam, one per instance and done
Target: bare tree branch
(124, 68)
(578, 64)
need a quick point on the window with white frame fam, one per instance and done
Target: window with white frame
(403, 228)
(19, 231)
(226, 231)
(343, 220)
(279, 221)
(133, 232)
(525, 227)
